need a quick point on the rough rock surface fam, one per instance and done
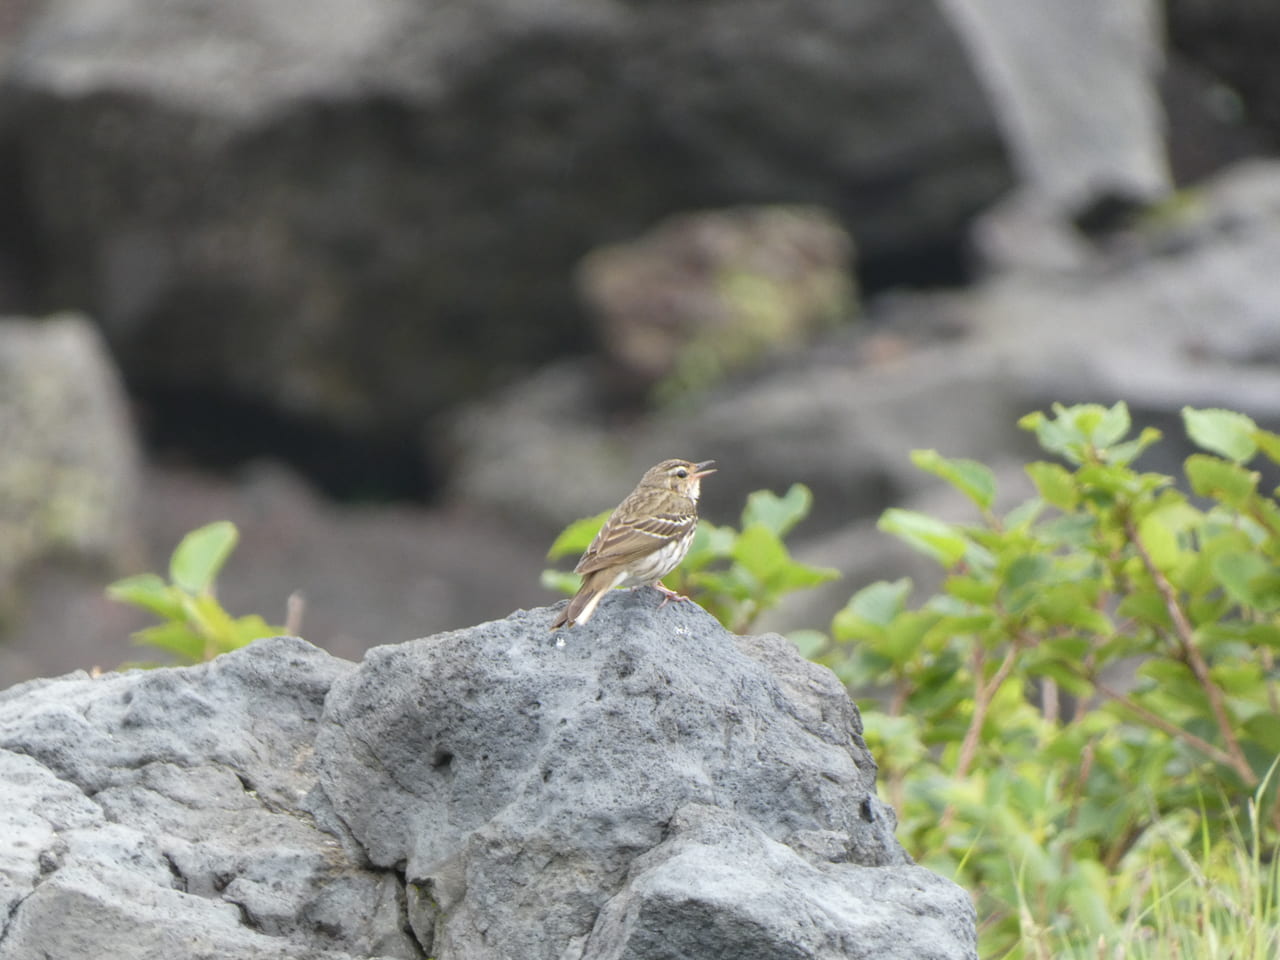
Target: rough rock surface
(172, 813)
(646, 787)
(628, 789)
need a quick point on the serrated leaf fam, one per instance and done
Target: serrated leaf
(1224, 432)
(975, 480)
(938, 539)
(779, 514)
(1227, 482)
(150, 592)
(576, 537)
(200, 555)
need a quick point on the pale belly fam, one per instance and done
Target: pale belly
(657, 564)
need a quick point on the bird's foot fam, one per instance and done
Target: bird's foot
(669, 595)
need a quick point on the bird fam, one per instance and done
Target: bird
(644, 539)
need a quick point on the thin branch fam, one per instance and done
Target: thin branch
(1217, 754)
(984, 693)
(1195, 659)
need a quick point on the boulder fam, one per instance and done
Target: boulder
(1075, 86)
(648, 786)
(705, 295)
(173, 813)
(69, 465)
(361, 212)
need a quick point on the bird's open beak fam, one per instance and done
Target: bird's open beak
(704, 468)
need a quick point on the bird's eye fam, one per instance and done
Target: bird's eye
(682, 473)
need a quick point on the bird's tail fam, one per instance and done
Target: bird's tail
(588, 597)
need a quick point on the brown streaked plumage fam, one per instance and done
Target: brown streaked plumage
(643, 540)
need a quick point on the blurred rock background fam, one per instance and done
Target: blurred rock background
(403, 287)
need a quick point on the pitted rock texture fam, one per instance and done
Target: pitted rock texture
(648, 786)
(171, 813)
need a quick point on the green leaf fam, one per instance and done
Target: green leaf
(1026, 570)
(575, 538)
(150, 592)
(201, 554)
(206, 615)
(880, 602)
(1111, 426)
(762, 553)
(1269, 444)
(931, 536)
(1264, 729)
(1224, 432)
(174, 636)
(1249, 579)
(778, 514)
(1160, 540)
(1055, 483)
(977, 590)
(1054, 435)
(1125, 453)
(1066, 678)
(810, 643)
(1229, 483)
(973, 479)
(251, 628)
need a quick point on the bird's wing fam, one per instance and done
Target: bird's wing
(620, 541)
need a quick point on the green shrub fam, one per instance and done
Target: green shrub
(735, 574)
(194, 625)
(1099, 663)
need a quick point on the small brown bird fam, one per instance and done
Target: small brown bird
(643, 540)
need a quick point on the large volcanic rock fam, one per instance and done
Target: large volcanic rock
(648, 786)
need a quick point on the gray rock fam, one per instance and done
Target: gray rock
(717, 885)
(70, 465)
(705, 295)
(559, 795)
(364, 211)
(171, 813)
(1233, 43)
(648, 787)
(1075, 88)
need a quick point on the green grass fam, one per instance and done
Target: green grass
(1221, 904)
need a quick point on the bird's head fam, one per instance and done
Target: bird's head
(680, 476)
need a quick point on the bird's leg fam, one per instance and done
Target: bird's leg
(668, 595)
